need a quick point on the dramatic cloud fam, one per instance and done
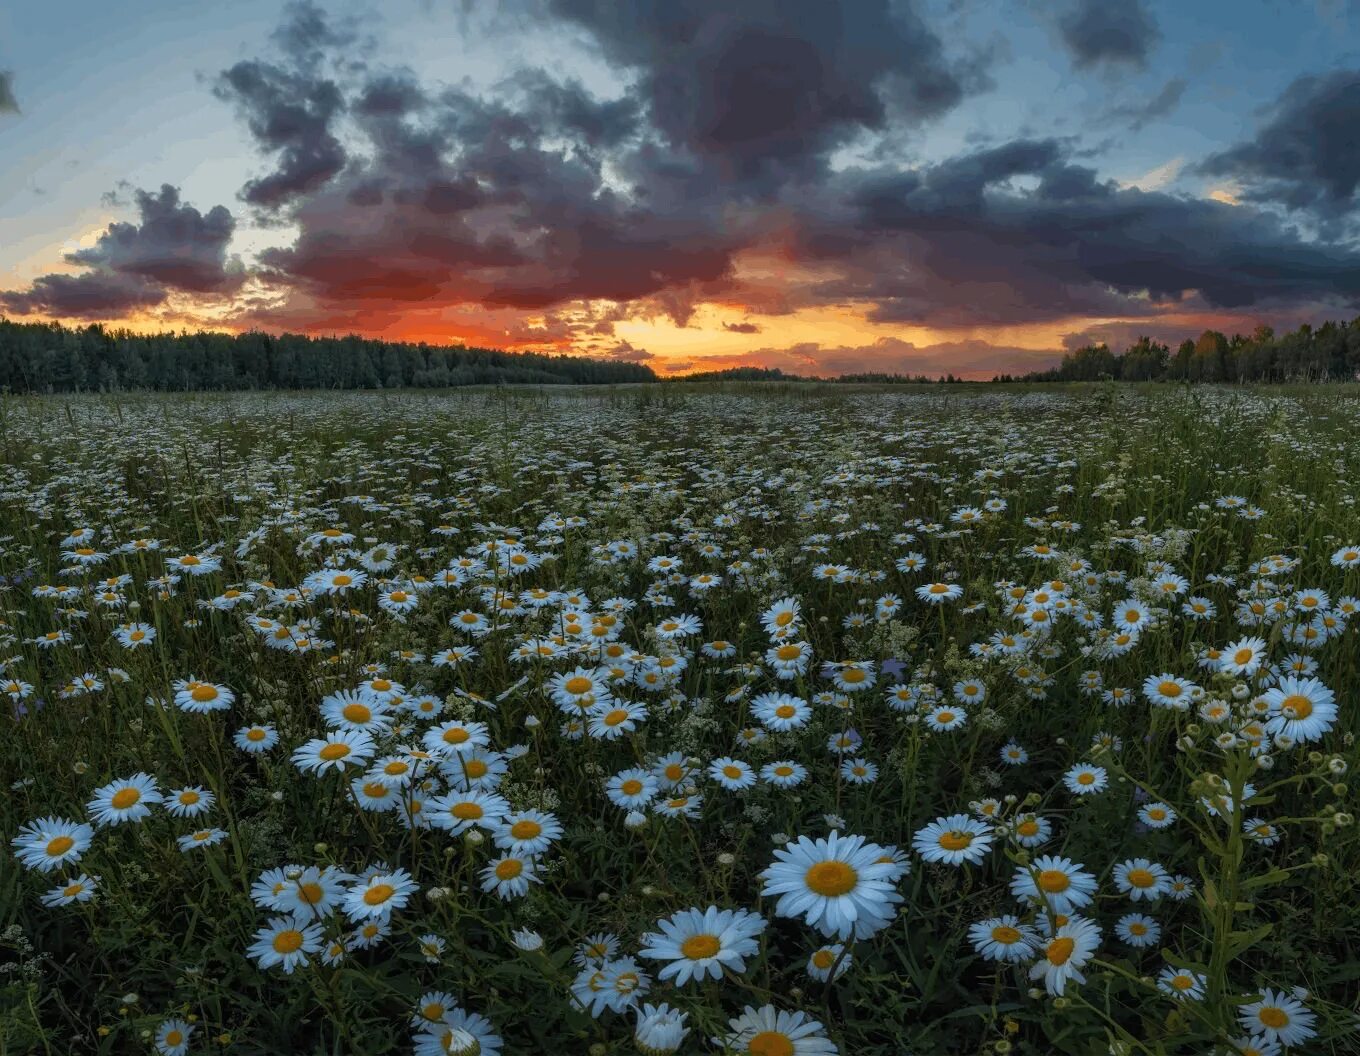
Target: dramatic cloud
(965, 239)
(1102, 31)
(8, 104)
(137, 266)
(763, 90)
(739, 165)
(1307, 156)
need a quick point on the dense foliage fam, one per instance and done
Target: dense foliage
(1331, 352)
(48, 357)
(788, 723)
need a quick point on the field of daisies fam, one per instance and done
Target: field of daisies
(780, 722)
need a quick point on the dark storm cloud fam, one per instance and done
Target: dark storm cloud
(764, 89)
(291, 115)
(1108, 31)
(174, 247)
(561, 212)
(1018, 233)
(8, 104)
(1307, 155)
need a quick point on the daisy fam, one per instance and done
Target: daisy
(285, 942)
(1278, 1018)
(631, 789)
(1057, 883)
(1085, 780)
(201, 838)
(477, 1027)
(172, 1037)
(201, 697)
(1242, 657)
(683, 806)
(256, 739)
(825, 958)
(135, 635)
(1061, 957)
(189, 802)
(1156, 815)
(81, 889)
(350, 710)
(379, 895)
(127, 800)
(1013, 754)
(1301, 709)
(1003, 938)
(1031, 830)
(1182, 983)
(732, 774)
(939, 593)
(780, 712)
(460, 811)
(50, 842)
(1138, 930)
(1168, 691)
(954, 840)
(456, 738)
(1255, 1046)
(527, 832)
(767, 1031)
(837, 884)
(851, 676)
(700, 944)
(945, 718)
(509, 876)
(1141, 879)
(334, 752)
(858, 771)
(660, 1030)
(784, 773)
(610, 720)
(782, 617)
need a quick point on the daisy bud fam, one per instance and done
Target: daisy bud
(1265, 762)
(725, 859)
(474, 837)
(635, 819)
(320, 848)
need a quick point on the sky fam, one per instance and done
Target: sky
(907, 186)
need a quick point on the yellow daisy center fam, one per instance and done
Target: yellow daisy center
(831, 878)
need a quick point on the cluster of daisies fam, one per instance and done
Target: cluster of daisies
(495, 660)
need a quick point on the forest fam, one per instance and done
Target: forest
(1330, 352)
(48, 357)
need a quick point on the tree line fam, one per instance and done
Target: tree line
(1330, 352)
(49, 357)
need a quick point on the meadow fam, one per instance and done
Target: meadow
(780, 721)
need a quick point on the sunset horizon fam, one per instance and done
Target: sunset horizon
(873, 188)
